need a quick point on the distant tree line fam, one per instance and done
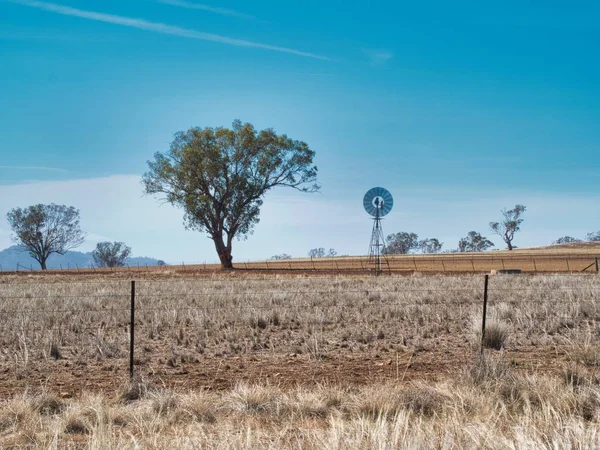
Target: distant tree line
(321, 253)
(590, 237)
(406, 242)
(42, 230)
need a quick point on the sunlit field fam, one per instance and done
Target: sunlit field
(300, 362)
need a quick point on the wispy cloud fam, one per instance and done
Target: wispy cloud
(212, 9)
(38, 168)
(158, 27)
(378, 57)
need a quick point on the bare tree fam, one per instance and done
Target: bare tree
(401, 243)
(509, 225)
(474, 242)
(432, 245)
(45, 229)
(566, 240)
(111, 254)
(316, 252)
(331, 252)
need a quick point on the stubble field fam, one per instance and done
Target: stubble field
(300, 362)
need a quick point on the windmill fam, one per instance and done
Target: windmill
(377, 202)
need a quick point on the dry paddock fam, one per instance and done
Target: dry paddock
(299, 362)
(73, 335)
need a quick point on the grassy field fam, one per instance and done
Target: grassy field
(300, 362)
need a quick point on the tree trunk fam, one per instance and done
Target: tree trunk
(224, 252)
(43, 263)
(510, 247)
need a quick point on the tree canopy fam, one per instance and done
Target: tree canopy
(45, 229)
(320, 252)
(593, 237)
(474, 242)
(509, 225)
(111, 254)
(219, 177)
(431, 245)
(401, 243)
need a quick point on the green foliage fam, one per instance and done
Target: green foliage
(593, 237)
(401, 243)
(474, 242)
(432, 245)
(111, 254)
(509, 225)
(219, 177)
(45, 229)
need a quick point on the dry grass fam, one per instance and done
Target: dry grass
(286, 362)
(231, 326)
(500, 410)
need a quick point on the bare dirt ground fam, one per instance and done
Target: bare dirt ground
(71, 334)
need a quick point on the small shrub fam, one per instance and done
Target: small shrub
(76, 422)
(259, 322)
(495, 336)
(576, 377)
(49, 404)
(165, 402)
(485, 369)
(423, 400)
(199, 407)
(76, 426)
(588, 406)
(137, 390)
(54, 351)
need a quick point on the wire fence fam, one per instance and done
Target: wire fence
(546, 262)
(154, 327)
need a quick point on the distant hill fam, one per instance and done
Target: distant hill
(10, 257)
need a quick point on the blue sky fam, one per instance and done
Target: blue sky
(459, 109)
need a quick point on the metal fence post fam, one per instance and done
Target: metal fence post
(485, 299)
(596, 261)
(132, 329)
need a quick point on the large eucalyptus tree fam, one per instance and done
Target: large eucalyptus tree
(219, 176)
